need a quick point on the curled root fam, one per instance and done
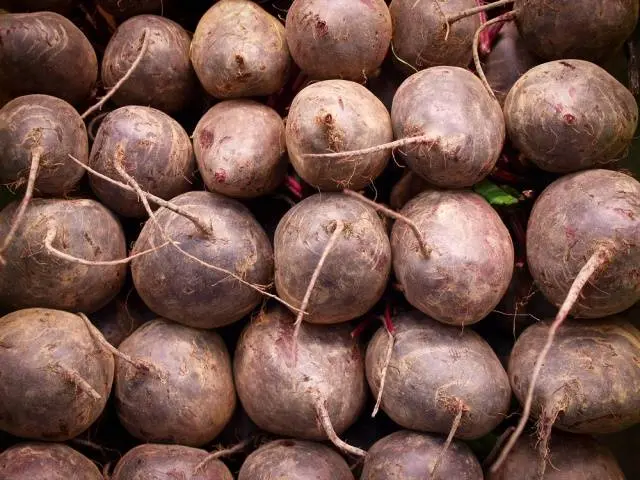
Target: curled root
(325, 421)
(221, 453)
(447, 443)
(74, 377)
(482, 8)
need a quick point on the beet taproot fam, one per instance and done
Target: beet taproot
(55, 377)
(151, 147)
(240, 50)
(239, 146)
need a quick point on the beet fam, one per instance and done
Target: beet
(339, 38)
(356, 270)
(38, 274)
(239, 50)
(295, 460)
(407, 455)
(151, 147)
(461, 281)
(45, 53)
(53, 461)
(240, 146)
(570, 115)
(180, 288)
(55, 378)
(463, 124)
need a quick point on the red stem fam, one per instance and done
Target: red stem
(388, 323)
(294, 186)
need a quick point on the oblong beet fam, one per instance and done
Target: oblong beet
(179, 288)
(35, 277)
(465, 126)
(471, 263)
(166, 462)
(278, 387)
(45, 356)
(45, 53)
(50, 461)
(435, 370)
(407, 455)
(569, 115)
(573, 217)
(590, 378)
(295, 460)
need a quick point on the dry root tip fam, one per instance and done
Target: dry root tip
(327, 426)
(383, 375)
(80, 383)
(221, 453)
(454, 428)
(472, 11)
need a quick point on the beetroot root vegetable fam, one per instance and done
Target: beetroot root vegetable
(461, 281)
(356, 270)
(53, 461)
(151, 147)
(337, 116)
(45, 53)
(570, 115)
(239, 50)
(165, 462)
(339, 38)
(180, 288)
(164, 79)
(295, 460)
(407, 455)
(420, 35)
(240, 146)
(35, 274)
(435, 372)
(55, 378)
(464, 123)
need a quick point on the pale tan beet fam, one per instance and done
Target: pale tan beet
(420, 33)
(164, 79)
(168, 462)
(437, 371)
(55, 378)
(295, 460)
(407, 455)
(50, 461)
(179, 288)
(279, 385)
(240, 50)
(464, 124)
(356, 270)
(43, 122)
(151, 147)
(471, 263)
(240, 146)
(35, 276)
(45, 53)
(345, 39)
(570, 115)
(187, 397)
(337, 116)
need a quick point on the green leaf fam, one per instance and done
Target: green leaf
(496, 195)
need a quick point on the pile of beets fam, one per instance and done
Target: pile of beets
(319, 240)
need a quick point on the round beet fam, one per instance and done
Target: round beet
(55, 377)
(50, 128)
(337, 116)
(168, 462)
(356, 270)
(570, 115)
(164, 79)
(151, 147)
(180, 288)
(51, 461)
(339, 38)
(239, 50)
(281, 385)
(471, 262)
(37, 274)
(240, 146)
(420, 35)
(576, 216)
(45, 53)
(129, 8)
(295, 460)
(407, 455)
(463, 124)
